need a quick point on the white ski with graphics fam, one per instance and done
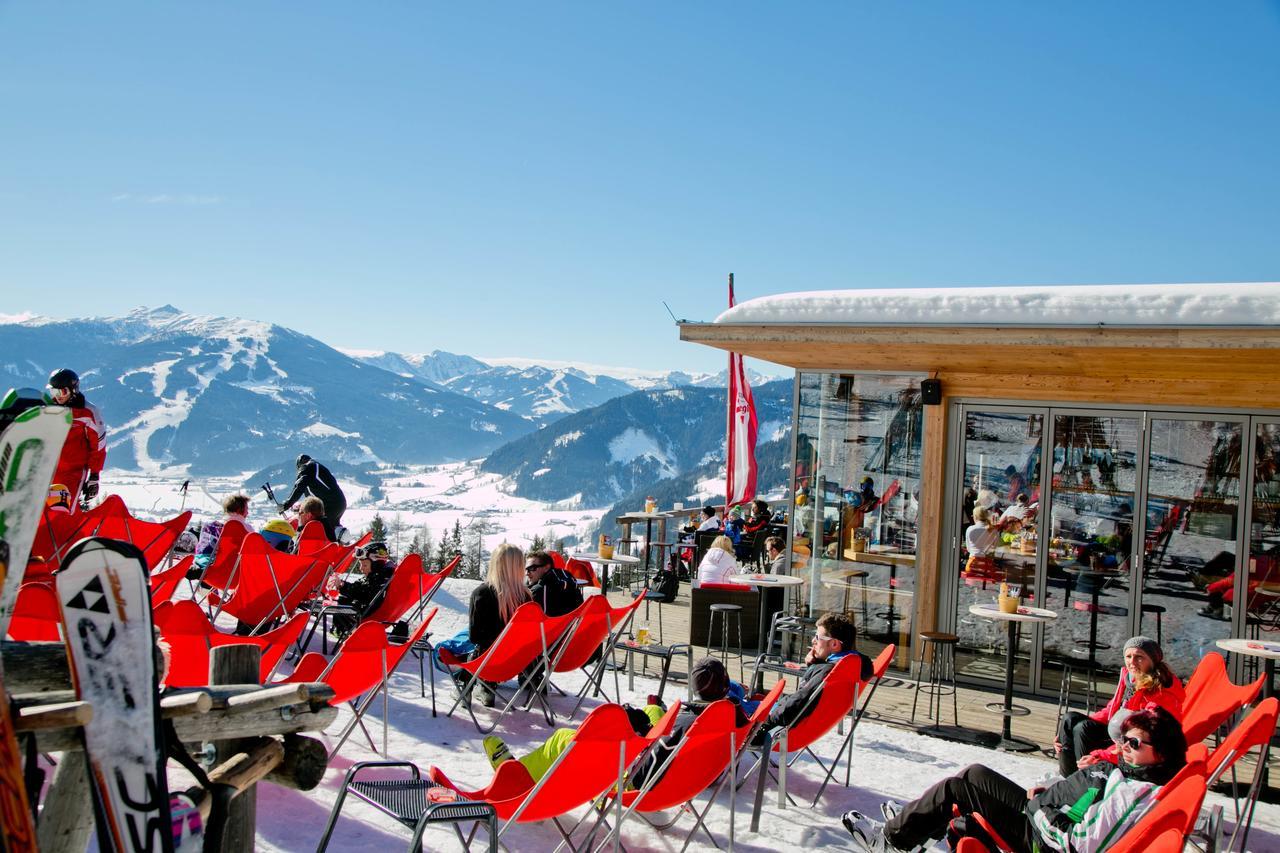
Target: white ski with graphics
(29, 450)
(106, 613)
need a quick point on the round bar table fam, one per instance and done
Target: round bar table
(992, 611)
(761, 582)
(604, 564)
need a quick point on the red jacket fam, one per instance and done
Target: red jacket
(1170, 698)
(85, 451)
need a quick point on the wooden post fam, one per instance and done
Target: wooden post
(236, 665)
(66, 820)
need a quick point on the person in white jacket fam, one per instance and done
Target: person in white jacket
(719, 562)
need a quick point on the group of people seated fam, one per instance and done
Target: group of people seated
(735, 544)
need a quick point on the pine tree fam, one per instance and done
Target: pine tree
(378, 528)
(538, 543)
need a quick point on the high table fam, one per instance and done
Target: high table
(762, 582)
(604, 564)
(992, 611)
(649, 544)
(1269, 653)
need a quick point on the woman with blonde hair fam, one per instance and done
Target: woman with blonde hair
(719, 562)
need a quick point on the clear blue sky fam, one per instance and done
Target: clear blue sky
(534, 179)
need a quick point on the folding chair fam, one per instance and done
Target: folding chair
(836, 698)
(529, 636)
(192, 638)
(600, 626)
(709, 751)
(1216, 698)
(271, 585)
(164, 584)
(596, 759)
(1257, 730)
(361, 666)
(36, 616)
(111, 520)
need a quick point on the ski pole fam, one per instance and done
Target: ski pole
(183, 488)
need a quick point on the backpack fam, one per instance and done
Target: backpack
(666, 583)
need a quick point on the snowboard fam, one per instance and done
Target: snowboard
(19, 834)
(106, 613)
(29, 451)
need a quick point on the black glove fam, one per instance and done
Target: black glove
(90, 490)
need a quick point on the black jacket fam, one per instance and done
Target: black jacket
(366, 592)
(794, 707)
(652, 759)
(316, 480)
(485, 620)
(556, 593)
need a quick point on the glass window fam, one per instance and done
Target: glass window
(856, 499)
(1262, 586)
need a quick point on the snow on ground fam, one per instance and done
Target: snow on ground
(888, 763)
(1110, 305)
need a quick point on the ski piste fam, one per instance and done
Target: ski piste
(29, 451)
(19, 834)
(106, 613)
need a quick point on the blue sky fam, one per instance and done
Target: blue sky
(536, 179)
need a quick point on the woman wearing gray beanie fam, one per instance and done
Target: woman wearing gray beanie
(1145, 680)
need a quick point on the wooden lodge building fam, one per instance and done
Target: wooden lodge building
(1122, 443)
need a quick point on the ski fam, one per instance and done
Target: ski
(106, 613)
(19, 834)
(29, 450)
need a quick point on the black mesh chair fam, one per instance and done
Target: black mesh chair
(406, 801)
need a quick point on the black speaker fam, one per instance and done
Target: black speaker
(931, 392)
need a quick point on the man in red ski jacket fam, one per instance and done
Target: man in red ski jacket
(85, 450)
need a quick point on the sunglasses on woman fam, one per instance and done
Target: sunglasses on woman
(1134, 743)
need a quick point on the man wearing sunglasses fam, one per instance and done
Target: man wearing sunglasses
(555, 590)
(1084, 813)
(834, 639)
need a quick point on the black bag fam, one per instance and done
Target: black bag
(666, 583)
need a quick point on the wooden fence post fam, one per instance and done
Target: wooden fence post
(236, 665)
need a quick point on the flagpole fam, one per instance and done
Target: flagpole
(728, 421)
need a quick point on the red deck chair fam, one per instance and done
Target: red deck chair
(192, 638)
(582, 570)
(528, 636)
(708, 751)
(597, 758)
(110, 520)
(361, 667)
(270, 584)
(1257, 730)
(879, 667)
(1216, 698)
(1171, 819)
(220, 574)
(829, 705)
(411, 588)
(600, 626)
(36, 615)
(165, 583)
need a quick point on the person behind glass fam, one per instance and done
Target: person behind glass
(777, 559)
(719, 562)
(982, 538)
(1082, 813)
(365, 593)
(554, 590)
(711, 519)
(1146, 680)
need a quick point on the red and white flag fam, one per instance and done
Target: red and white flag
(740, 477)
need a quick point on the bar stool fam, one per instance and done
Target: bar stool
(654, 597)
(940, 648)
(1158, 610)
(725, 611)
(1069, 665)
(860, 576)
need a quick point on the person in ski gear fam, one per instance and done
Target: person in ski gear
(1084, 813)
(711, 519)
(85, 450)
(365, 593)
(312, 509)
(318, 481)
(834, 638)
(235, 512)
(555, 590)
(1146, 679)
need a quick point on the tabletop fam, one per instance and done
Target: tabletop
(991, 610)
(1253, 648)
(591, 557)
(758, 579)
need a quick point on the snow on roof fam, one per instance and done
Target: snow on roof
(1077, 305)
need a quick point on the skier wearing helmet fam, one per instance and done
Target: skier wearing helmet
(85, 450)
(316, 480)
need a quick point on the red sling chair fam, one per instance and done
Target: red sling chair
(109, 520)
(1256, 730)
(192, 638)
(36, 615)
(271, 585)
(1211, 698)
(165, 583)
(599, 627)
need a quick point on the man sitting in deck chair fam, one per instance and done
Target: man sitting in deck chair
(835, 638)
(710, 682)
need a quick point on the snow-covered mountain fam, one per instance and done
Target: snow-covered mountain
(541, 392)
(224, 395)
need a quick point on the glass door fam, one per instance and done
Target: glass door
(997, 530)
(1261, 587)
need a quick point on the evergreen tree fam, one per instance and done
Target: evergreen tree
(378, 528)
(538, 543)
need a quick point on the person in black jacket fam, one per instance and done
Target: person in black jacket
(835, 638)
(555, 590)
(366, 592)
(318, 481)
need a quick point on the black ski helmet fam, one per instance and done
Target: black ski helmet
(303, 459)
(64, 378)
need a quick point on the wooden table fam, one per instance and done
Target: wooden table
(992, 611)
(604, 564)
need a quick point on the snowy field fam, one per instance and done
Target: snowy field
(888, 763)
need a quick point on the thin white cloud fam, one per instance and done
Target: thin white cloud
(190, 199)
